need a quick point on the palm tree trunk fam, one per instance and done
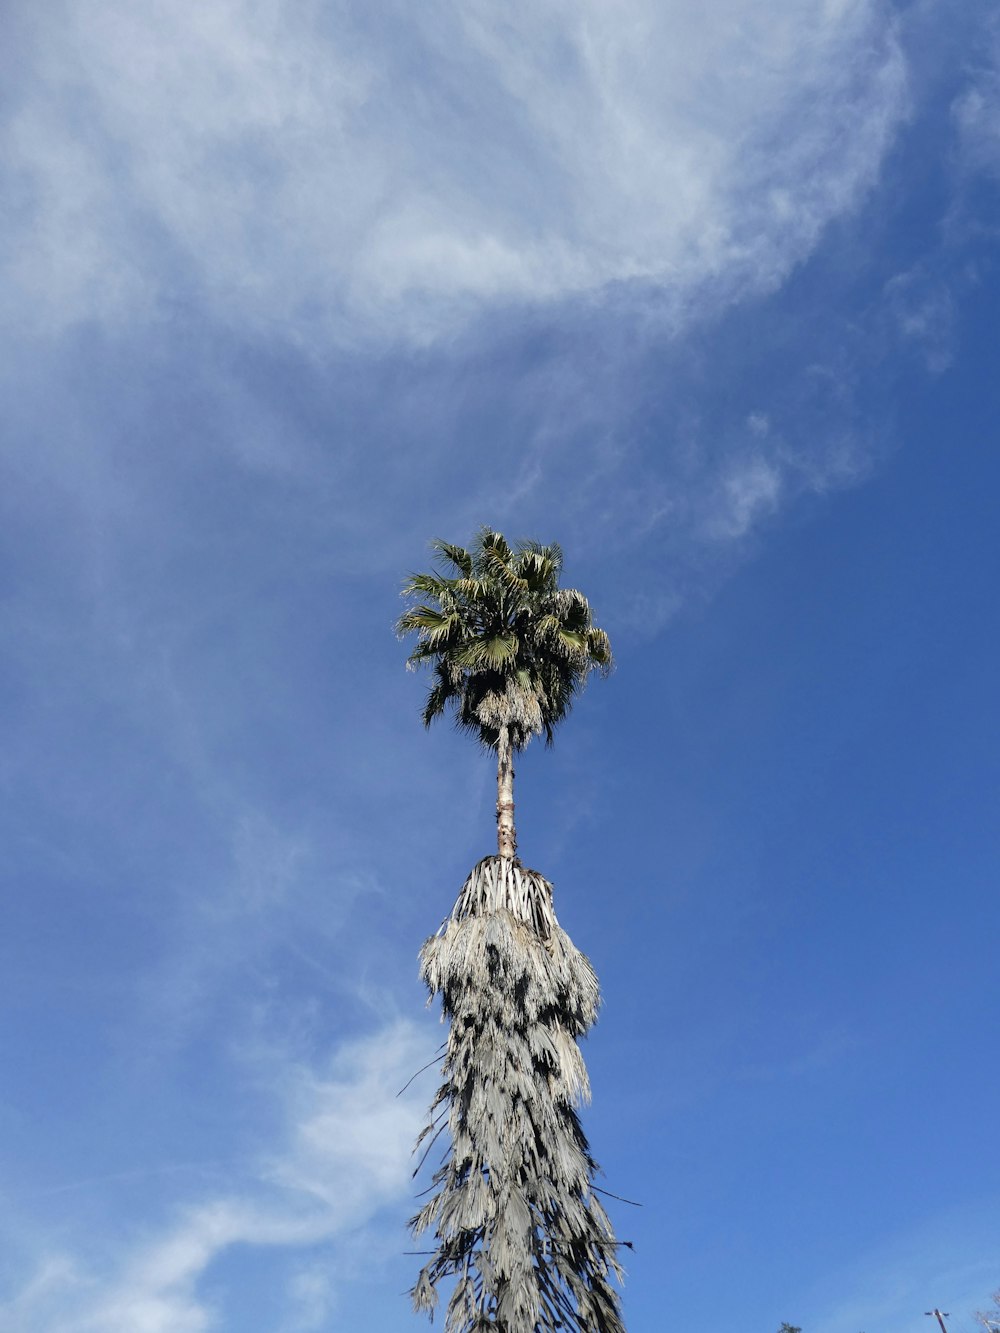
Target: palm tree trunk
(506, 839)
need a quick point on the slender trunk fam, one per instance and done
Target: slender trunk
(506, 841)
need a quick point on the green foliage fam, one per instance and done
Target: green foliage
(508, 648)
(789, 1328)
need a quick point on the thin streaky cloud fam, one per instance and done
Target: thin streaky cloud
(294, 172)
(345, 1155)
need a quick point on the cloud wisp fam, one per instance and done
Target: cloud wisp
(344, 1157)
(946, 1259)
(325, 173)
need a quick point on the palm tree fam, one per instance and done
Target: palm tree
(514, 1211)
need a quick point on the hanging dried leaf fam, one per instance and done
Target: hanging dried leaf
(513, 1211)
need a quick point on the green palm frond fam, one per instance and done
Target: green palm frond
(498, 568)
(545, 627)
(487, 540)
(439, 695)
(426, 585)
(553, 552)
(537, 569)
(455, 555)
(472, 589)
(422, 653)
(491, 654)
(572, 607)
(427, 619)
(516, 647)
(599, 648)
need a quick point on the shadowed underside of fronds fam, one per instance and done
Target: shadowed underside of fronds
(512, 1210)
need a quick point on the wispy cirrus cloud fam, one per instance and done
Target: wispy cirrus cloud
(333, 171)
(976, 110)
(343, 1156)
(947, 1260)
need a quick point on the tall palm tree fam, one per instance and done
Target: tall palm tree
(509, 648)
(514, 1211)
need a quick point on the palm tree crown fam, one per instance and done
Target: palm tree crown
(509, 648)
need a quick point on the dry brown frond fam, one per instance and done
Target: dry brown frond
(514, 1215)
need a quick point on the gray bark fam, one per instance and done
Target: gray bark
(506, 837)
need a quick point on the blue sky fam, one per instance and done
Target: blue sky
(710, 300)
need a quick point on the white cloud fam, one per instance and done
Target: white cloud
(922, 309)
(311, 1293)
(948, 1258)
(748, 489)
(352, 1136)
(346, 1154)
(298, 168)
(976, 111)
